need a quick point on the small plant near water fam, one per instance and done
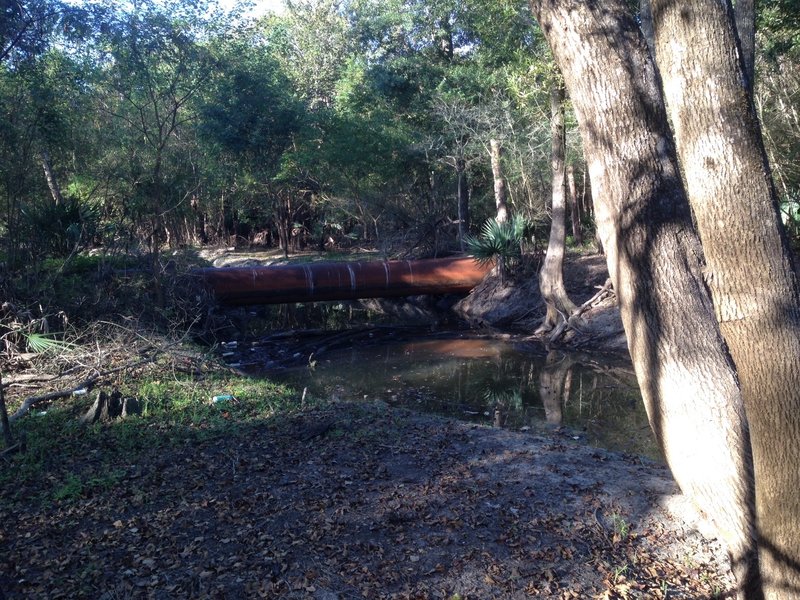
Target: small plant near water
(620, 573)
(70, 490)
(75, 487)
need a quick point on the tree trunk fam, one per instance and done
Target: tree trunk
(551, 277)
(495, 151)
(686, 377)
(52, 182)
(9, 439)
(749, 264)
(574, 207)
(646, 24)
(284, 222)
(463, 202)
(745, 15)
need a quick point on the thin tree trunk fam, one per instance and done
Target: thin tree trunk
(284, 222)
(749, 264)
(52, 182)
(686, 377)
(495, 152)
(551, 276)
(9, 439)
(463, 202)
(574, 207)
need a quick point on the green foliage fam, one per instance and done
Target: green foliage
(41, 343)
(249, 109)
(790, 212)
(177, 411)
(500, 242)
(778, 24)
(59, 229)
(72, 489)
(169, 124)
(621, 527)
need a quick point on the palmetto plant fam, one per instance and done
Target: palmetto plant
(59, 228)
(21, 332)
(500, 242)
(14, 335)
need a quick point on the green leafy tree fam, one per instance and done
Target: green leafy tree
(251, 114)
(156, 68)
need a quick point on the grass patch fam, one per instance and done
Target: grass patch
(66, 460)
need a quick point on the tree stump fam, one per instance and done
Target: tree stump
(111, 407)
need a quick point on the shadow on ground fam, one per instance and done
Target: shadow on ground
(356, 501)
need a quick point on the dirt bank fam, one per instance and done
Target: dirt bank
(365, 501)
(517, 305)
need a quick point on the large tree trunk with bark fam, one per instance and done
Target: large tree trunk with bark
(749, 264)
(687, 379)
(551, 277)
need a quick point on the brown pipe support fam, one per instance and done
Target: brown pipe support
(321, 281)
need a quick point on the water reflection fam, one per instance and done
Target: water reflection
(493, 381)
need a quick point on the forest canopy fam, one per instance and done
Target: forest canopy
(162, 124)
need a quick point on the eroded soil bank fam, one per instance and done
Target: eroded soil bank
(517, 305)
(365, 501)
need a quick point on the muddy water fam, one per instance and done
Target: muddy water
(500, 382)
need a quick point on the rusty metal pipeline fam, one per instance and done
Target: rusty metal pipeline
(321, 281)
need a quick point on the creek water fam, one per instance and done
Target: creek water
(503, 382)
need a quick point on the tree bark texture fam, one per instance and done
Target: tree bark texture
(52, 182)
(749, 266)
(745, 15)
(687, 379)
(551, 276)
(495, 152)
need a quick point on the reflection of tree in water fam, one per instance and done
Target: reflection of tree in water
(493, 383)
(555, 381)
(602, 399)
(576, 390)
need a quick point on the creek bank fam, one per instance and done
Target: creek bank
(517, 305)
(514, 306)
(353, 500)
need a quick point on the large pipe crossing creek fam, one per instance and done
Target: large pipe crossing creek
(324, 281)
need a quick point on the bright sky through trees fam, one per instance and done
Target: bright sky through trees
(260, 7)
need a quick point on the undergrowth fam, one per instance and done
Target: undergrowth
(65, 460)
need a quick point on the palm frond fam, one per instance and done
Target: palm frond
(41, 343)
(497, 240)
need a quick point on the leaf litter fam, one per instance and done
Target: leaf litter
(365, 501)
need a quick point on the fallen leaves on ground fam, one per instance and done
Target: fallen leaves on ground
(383, 503)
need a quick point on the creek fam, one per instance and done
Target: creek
(495, 379)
